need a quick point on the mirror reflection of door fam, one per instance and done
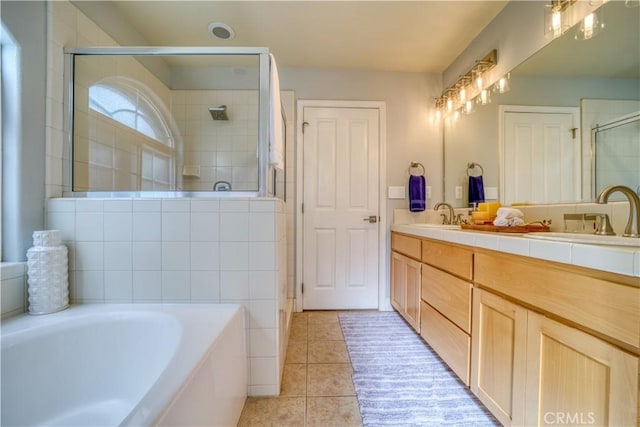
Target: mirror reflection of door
(541, 155)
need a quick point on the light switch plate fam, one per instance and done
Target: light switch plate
(428, 191)
(398, 192)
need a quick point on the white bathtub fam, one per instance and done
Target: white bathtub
(129, 365)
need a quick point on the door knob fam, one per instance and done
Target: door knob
(372, 219)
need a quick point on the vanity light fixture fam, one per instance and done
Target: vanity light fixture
(558, 17)
(454, 99)
(502, 85)
(590, 26)
(484, 97)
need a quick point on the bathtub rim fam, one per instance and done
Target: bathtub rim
(181, 366)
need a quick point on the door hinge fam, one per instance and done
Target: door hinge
(302, 288)
(573, 132)
(303, 208)
(304, 124)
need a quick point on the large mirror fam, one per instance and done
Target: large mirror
(586, 83)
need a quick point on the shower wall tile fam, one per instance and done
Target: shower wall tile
(176, 253)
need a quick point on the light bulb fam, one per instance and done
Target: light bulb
(449, 104)
(589, 27)
(502, 85)
(463, 94)
(468, 107)
(484, 97)
(556, 23)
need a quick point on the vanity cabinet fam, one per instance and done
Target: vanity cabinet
(557, 342)
(445, 310)
(499, 355)
(405, 277)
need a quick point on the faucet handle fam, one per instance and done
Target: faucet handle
(603, 228)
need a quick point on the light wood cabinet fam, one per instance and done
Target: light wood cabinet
(573, 374)
(498, 356)
(446, 303)
(405, 279)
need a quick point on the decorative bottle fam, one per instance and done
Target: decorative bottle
(47, 270)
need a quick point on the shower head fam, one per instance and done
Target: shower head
(219, 113)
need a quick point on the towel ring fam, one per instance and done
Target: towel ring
(471, 166)
(416, 165)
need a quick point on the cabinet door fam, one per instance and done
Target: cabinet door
(398, 275)
(498, 350)
(575, 378)
(405, 288)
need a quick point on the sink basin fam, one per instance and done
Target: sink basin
(437, 226)
(589, 239)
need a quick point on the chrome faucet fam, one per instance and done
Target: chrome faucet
(631, 230)
(445, 220)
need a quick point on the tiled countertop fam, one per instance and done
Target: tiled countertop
(615, 259)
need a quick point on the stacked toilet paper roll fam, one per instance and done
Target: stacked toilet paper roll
(47, 270)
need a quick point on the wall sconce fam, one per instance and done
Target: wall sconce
(456, 99)
(558, 17)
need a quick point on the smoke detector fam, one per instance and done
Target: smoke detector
(221, 31)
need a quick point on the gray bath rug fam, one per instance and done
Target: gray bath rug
(400, 381)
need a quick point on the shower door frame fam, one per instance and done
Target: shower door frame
(263, 113)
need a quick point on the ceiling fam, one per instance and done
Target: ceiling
(412, 36)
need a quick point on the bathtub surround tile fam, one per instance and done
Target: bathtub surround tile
(13, 288)
(118, 226)
(234, 285)
(141, 205)
(175, 226)
(175, 255)
(61, 205)
(234, 256)
(147, 286)
(118, 286)
(172, 252)
(117, 256)
(262, 255)
(205, 227)
(147, 226)
(205, 256)
(89, 226)
(147, 256)
(176, 286)
(234, 227)
(205, 286)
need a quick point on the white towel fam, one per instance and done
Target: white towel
(508, 217)
(276, 137)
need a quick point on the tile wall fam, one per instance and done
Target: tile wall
(13, 298)
(184, 251)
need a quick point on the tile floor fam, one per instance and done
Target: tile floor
(316, 385)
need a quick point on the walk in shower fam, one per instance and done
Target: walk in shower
(616, 153)
(154, 121)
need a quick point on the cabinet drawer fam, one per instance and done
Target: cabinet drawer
(410, 246)
(600, 305)
(450, 295)
(450, 342)
(456, 260)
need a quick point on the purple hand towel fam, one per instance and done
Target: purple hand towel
(417, 193)
(476, 189)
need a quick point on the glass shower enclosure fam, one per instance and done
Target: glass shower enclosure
(160, 120)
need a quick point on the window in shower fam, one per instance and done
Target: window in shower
(617, 153)
(175, 122)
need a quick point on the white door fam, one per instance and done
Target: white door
(541, 161)
(340, 208)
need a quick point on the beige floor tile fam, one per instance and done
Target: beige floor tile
(333, 411)
(296, 352)
(327, 352)
(325, 332)
(298, 331)
(272, 411)
(329, 379)
(294, 380)
(323, 317)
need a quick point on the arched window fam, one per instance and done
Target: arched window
(123, 102)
